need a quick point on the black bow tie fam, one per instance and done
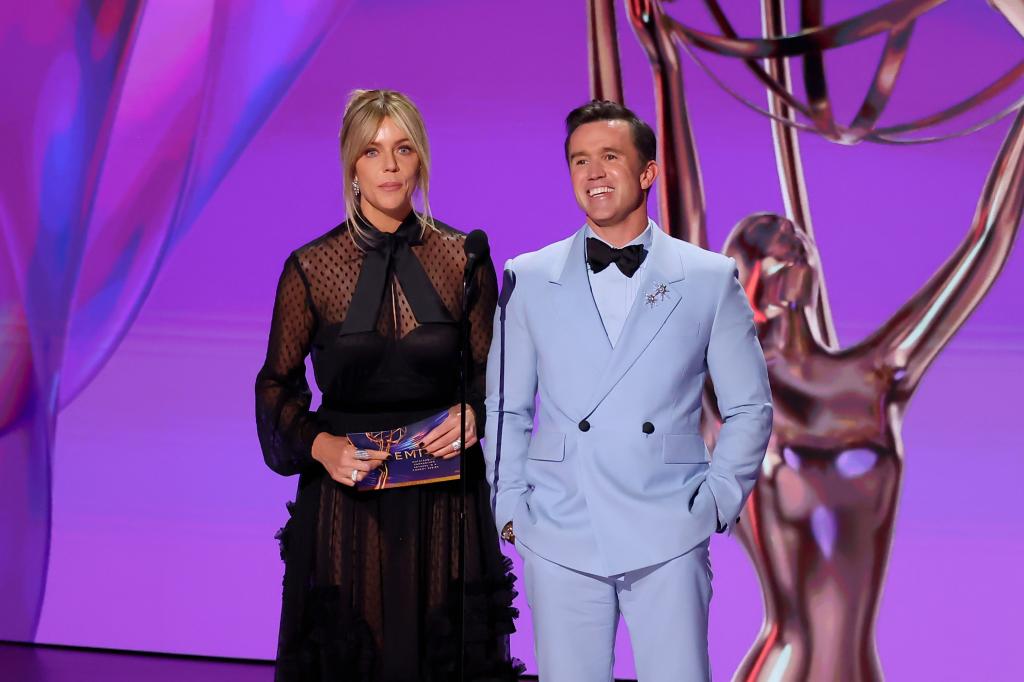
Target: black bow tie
(627, 259)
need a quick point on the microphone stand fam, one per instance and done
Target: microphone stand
(465, 356)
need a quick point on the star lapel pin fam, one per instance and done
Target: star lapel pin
(659, 294)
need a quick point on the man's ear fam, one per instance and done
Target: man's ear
(648, 175)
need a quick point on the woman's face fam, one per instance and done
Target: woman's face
(388, 172)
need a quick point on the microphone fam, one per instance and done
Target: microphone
(477, 249)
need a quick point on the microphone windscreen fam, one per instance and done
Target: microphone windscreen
(476, 245)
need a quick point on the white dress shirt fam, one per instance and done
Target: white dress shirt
(613, 292)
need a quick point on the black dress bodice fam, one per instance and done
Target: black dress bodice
(373, 589)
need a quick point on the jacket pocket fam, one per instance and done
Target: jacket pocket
(685, 448)
(548, 446)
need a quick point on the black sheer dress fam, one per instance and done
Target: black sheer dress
(372, 589)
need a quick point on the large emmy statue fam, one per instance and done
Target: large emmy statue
(818, 526)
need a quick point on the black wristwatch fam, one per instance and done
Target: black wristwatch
(507, 534)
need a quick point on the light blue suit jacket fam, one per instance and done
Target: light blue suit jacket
(588, 488)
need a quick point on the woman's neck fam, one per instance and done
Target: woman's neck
(385, 221)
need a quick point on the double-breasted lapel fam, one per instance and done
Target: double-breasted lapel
(578, 315)
(658, 295)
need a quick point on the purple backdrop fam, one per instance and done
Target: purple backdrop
(163, 513)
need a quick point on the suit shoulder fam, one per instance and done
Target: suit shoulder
(542, 261)
(701, 261)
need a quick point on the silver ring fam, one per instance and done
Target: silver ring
(362, 455)
(456, 444)
(355, 475)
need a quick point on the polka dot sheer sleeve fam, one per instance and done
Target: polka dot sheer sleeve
(285, 426)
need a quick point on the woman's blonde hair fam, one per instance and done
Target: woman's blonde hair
(364, 112)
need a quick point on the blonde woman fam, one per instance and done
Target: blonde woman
(372, 587)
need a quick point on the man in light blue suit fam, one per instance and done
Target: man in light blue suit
(612, 498)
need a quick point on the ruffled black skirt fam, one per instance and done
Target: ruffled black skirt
(373, 588)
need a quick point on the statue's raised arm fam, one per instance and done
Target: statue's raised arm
(920, 329)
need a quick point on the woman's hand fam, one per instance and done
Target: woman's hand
(343, 461)
(443, 441)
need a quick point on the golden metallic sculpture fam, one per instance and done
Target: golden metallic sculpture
(818, 526)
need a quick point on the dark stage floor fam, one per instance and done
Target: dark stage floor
(23, 663)
(29, 663)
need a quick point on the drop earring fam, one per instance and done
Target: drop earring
(355, 187)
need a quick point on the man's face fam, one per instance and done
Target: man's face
(608, 177)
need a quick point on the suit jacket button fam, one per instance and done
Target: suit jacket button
(584, 425)
(648, 428)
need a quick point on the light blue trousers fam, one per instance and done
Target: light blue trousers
(575, 616)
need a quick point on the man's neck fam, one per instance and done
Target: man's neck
(622, 233)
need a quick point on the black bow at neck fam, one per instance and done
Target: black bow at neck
(387, 253)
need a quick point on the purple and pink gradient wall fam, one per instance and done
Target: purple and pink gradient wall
(163, 513)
